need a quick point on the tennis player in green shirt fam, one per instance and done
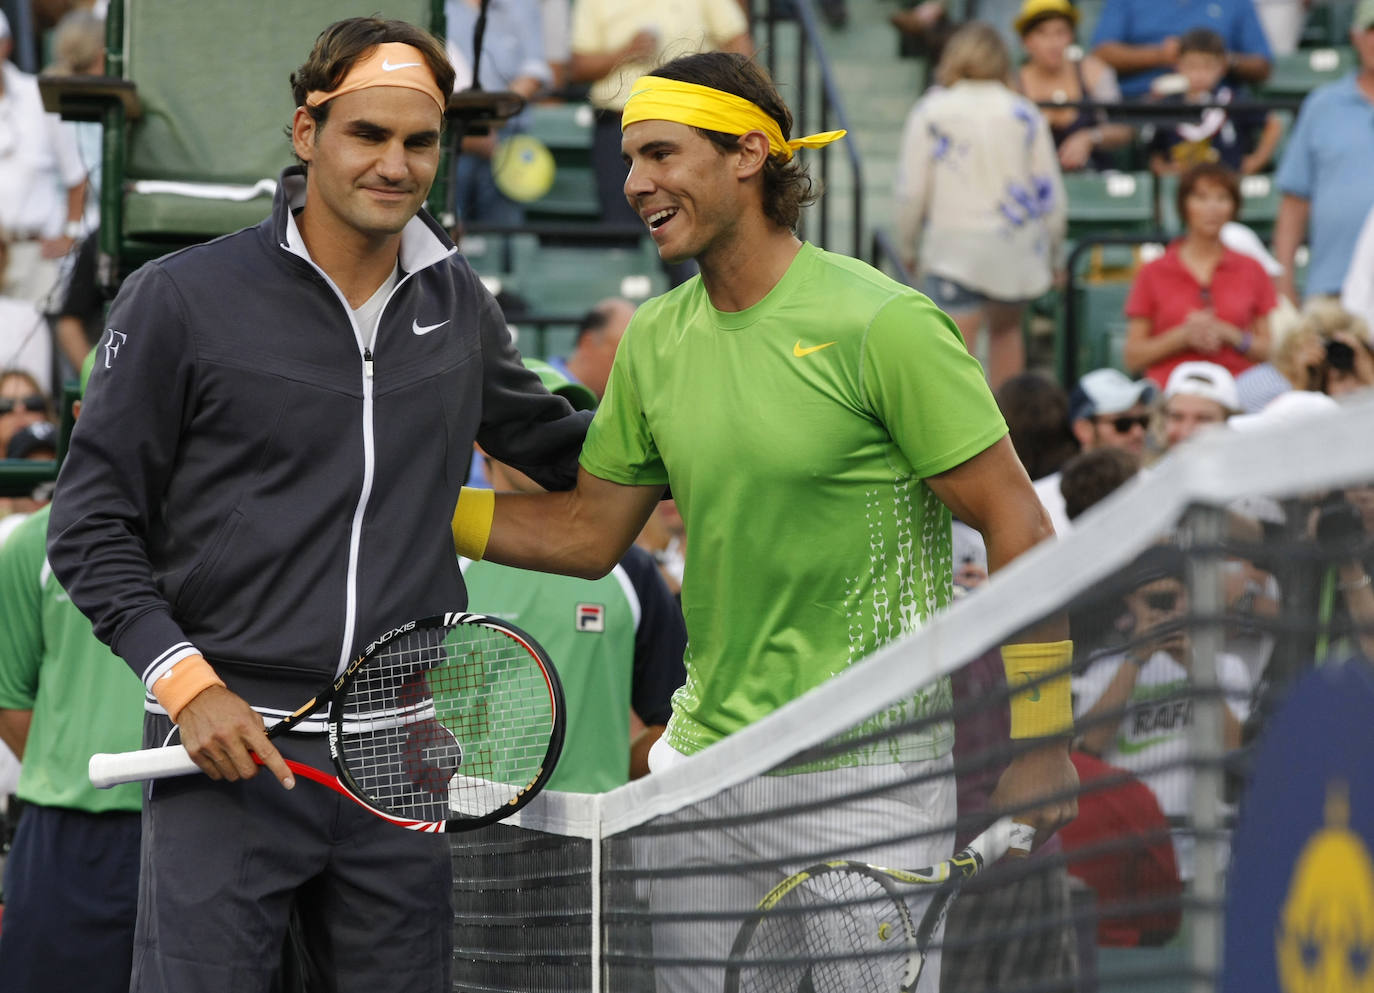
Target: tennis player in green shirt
(817, 423)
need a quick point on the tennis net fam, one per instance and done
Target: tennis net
(1215, 579)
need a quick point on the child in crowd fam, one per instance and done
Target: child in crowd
(1243, 140)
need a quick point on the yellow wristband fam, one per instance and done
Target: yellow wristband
(176, 687)
(472, 521)
(1044, 707)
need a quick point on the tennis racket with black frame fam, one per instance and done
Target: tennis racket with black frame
(446, 723)
(843, 926)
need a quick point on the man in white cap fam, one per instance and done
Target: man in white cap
(1197, 395)
(38, 160)
(1107, 409)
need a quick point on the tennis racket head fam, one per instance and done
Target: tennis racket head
(448, 723)
(838, 926)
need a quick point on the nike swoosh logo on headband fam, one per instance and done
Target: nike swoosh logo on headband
(388, 67)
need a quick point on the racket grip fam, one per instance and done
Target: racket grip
(1005, 835)
(111, 769)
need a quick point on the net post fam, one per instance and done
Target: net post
(1201, 533)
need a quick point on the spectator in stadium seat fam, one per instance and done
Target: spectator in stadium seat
(1135, 708)
(78, 46)
(22, 402)
(79, 317)
(42, 183)
(665, 538)
(1198, 395)
(1324, 175)
(1090, 477)
(616, 41)
(1083, 138)
(1127, 859)
(1242, 140)
(598, 336)
(1107, 409)
(1200, 300)
(305, 509)
(981, 209)
(1036, 410)
(71, 878)
(1328, 352)
(35, 443)
(512, 59)
(620, 659)
(871, 387)
(25, 340)
(1140, 39)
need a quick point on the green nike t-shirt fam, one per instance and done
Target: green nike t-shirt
(796, 435)
(84, 699)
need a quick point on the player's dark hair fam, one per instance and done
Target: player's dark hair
(787, 187)
(343, 43)
(1215, 172)
(1202, 40)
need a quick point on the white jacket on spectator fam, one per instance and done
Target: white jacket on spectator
(979, 196)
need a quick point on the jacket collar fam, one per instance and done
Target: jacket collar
(423, 242)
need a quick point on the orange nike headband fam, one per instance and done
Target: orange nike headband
(391, 63)
(653, 98)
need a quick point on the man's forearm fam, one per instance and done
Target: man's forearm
(1290, 228)
(579, 532)
(1249, 67)
(1126, 58)
(14, 730)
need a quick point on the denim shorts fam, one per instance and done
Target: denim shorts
(950, 295)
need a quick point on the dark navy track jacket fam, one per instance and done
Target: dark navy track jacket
(248, 481)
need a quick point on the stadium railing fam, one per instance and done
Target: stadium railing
(654, 882)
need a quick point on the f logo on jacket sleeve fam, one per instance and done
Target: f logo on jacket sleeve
(112, 345)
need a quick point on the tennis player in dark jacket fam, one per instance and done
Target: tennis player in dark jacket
(274, 438)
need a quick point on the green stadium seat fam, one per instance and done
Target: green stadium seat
(546, 341)
(1107, 203)
(567, 131)
(572, 197)
(570, 279)
(562, 126)
(1101, 324)
(1259, 207)
(1303, 71)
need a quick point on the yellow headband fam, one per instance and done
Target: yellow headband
(391, 63)
(653, 98)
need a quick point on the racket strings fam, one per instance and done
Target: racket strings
(837, 932)
(446, 722)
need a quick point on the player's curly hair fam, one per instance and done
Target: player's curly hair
(344, 42)
(787, 187)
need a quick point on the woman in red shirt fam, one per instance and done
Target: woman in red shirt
(1200, 300)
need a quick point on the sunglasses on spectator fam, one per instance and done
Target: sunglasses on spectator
(1124, 423)
(1163, 602)
(36, 403)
